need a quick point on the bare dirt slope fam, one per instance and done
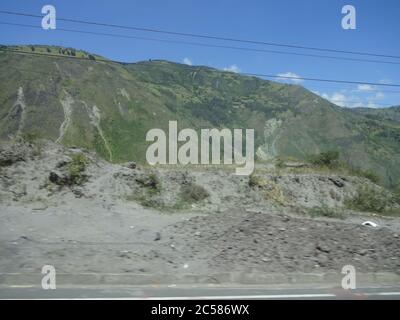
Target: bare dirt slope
(123, 218)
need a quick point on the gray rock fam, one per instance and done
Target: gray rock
(158, 236)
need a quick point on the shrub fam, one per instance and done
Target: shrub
(76, 168)
(270, 189)
(372, 176)
(280, 163)
(326, 211)
(256, 181)
(326, 159)
(370, 200)
(275, 193)
(29, 137)
(192, 192)
(369, 174)
(396, 194)
(151, 181)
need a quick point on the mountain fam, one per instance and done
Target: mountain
(387, 114)
(109, 107)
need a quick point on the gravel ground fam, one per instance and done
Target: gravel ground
(94, 228)
(275, 242)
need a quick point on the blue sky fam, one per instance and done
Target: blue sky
(303, 22)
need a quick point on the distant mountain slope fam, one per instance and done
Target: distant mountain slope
(109, 107)
(392, 113)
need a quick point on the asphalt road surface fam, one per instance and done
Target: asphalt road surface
(196, 293)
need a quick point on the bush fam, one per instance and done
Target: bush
(280, 163)
(370, 200)
(396, 194)
(192, 192)
(270, 189)
(151, 181)
(76, 168)
(370, 175)
(30, 137)
(326, 159)
(256, 181)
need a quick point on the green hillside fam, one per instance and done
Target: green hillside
(109, 107)
(389, 114)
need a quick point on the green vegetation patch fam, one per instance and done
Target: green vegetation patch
(328, 159)
(151, 182)
(270, 190)
(192, 192)
(370, 199)
(76, 169)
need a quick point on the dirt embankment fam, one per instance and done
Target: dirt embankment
(67, 208)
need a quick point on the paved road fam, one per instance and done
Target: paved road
(195, 292)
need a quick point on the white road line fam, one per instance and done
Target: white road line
(273, 296)
(276, 296)
(21, 286)
(241, 297)
(383, 294)
(226, 297)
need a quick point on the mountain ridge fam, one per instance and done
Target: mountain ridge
(109, 107)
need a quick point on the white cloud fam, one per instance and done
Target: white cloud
(233, 68)
(294, 77)
(336, 98)
(385, 81)
(187, 61)
(365, 87)
(379, 95)
(365, 96)
(372, 105)
(350, 101)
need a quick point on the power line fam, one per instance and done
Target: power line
(321, 96)
(259, 75)
(319, 79)
(372, 90)
(203, 44)
(204, 36)
(346, 102)
(119, 62)
(43, 54)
